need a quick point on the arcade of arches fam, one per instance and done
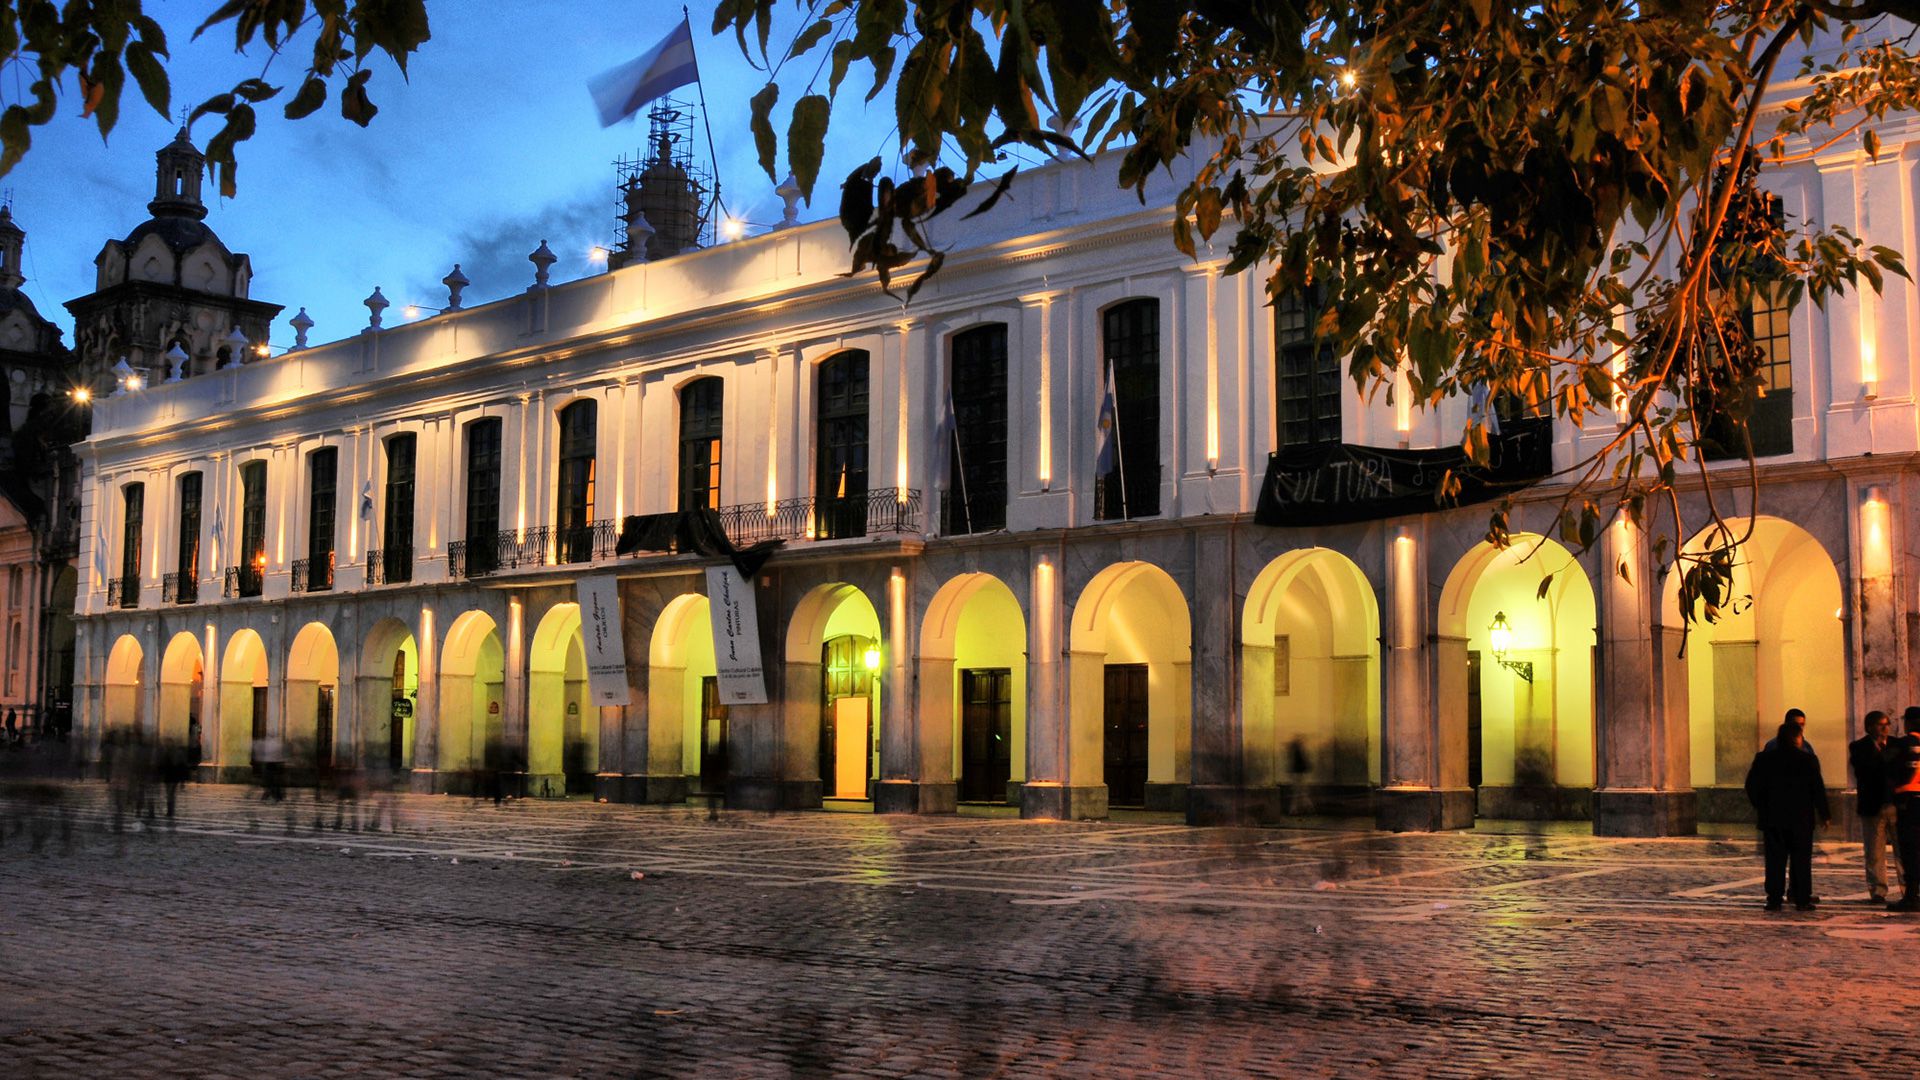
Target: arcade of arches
(979, 697)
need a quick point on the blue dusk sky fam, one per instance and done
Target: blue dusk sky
(491, 147)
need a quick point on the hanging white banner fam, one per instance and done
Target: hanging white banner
(600, 631)
(736, 637)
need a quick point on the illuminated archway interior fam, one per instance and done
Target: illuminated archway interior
(1132, 694)
(563, 725)
(312, 703)
(1779, 645)
(125, 679)
(976, 620)
(1530, 664)
(243, 696)
(389, 695)
(182, 679)
(472, 693)
(837, 629)
(683, 682)
(1310, 652)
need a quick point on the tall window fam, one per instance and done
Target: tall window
(575, 483)
(396, 527)
(976, 496)
(1130, 338)
(840, 473)
(483, 497)
(133, 504)
(253, 527)
(1767, 323)
(1306, 375)
(323, 474)
(187, 566)
(700, 415)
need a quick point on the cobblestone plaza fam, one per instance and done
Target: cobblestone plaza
(575, 939)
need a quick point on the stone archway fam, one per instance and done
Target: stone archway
(182, 694)
(313, 729)
(123, 695)
(563, 726)
(834, 658)
(1131, 690)
(973, 688)
(389, 694)
(683, 691)
(243, 697)
(472, 699)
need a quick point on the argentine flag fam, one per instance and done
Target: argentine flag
(1105, 447)
(620, 92)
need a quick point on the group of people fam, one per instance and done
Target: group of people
(1789, 799)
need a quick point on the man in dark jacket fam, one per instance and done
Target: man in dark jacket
(1790, 797)
(1874, 798)
(1903, 784)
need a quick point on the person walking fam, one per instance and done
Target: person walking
(1799, 720)
(1903, 782)
(1789, 798)
(1874, 799)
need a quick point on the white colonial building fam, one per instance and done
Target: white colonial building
(372, 547)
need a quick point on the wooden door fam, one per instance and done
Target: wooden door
(986, 734)
(713, 737)
(1126, 736)
(1473, 718)
(323, 728)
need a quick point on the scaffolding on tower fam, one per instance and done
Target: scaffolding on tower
(667, 187)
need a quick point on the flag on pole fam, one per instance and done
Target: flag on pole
(1105, 453)
(949, 428)
(218, 529)
(366, 500)
(620, 92)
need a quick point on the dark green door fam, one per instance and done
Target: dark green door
(1126, 721)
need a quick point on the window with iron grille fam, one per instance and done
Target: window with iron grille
(323, 467)
(483, 494)
(976, 497)
(840, 437)
(396, 526)
(188, 564)
(253, 526)
(1306, 375)
(133, 504)
(575, 485)
(1767, 322)
(1130, 351)
(701, 413)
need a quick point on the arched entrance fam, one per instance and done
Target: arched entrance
(973, 644)
(472, 699)
(389, 693)
(836, 633)
(1310, 677)
(243, 697)
(683, 683)
(312, 705)
(1132, 700)
(125, 688)
(563, 726)
(182, 693)
(1529, 678)
(1779, 645)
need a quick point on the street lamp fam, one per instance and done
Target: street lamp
(871, 658)
(1500, 641)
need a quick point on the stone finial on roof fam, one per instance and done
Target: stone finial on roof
(542, 259)
(639, 231)
(301, 323)
(789, 192)
(177, 358)
(456, 283)
(376, 304)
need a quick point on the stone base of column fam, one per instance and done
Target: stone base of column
(425, 782)
(1209, 804)
(914, 797)
(1167, 798)
(1644, 812)
(1058, 802)
(757, 793)
(1423, 809)
(544, 785)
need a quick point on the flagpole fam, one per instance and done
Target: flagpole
(959, 458)
(713, 158)
(1119, 446)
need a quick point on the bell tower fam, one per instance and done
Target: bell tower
(176, 187)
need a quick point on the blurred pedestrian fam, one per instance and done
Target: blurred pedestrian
(1903, 782)
(174, 770)
(1868, 756)
(1790, 800)
(13, 727)
(1799, 720)
(1298, 766)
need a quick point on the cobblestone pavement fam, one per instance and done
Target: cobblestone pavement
(572, 939)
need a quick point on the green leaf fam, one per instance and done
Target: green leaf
(311, 95)
(151, 77)
(256, 90)
(807, 141)
(355, 105)
(761, 123)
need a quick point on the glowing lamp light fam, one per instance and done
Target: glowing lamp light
(871, 658)
(81, 395)
(1500, 642)
(135, 382)
(597, 254)
(1876, 536)
(733, 228)
(411, 311)
(1348, 79)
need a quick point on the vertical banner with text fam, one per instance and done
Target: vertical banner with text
(736, 637)
(600, 632)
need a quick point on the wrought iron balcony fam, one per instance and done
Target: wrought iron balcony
(585, 543)
(389, 566)
(182, 588)
(313, 574)
(244, 580)
(977, 508)
(882, 510)
(123, 592)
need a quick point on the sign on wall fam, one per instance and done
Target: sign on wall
(600, 631)
(736, 637)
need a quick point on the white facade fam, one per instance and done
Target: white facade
(1381, 623)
